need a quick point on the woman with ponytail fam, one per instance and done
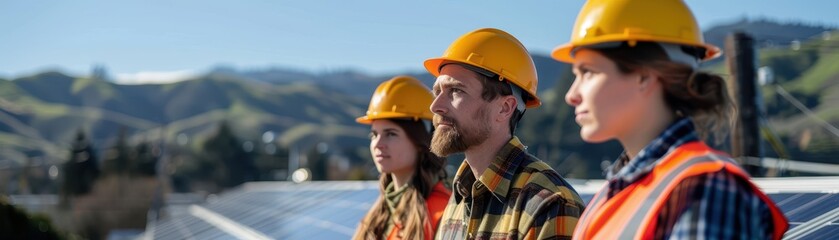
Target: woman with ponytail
(413, 196)
(638, 82)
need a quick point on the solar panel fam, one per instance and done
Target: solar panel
(183, 227)
(780, 197)
(332, 210)
(812, 209)
(823, 226)
(827, 232)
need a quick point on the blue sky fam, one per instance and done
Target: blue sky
(134, 38)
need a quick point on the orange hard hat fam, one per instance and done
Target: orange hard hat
(662, 21)
(399, 97)
(495, 51)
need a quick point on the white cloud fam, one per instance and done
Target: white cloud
(155, 77)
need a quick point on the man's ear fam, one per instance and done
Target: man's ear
(508, 106)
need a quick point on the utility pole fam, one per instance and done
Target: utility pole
(745, 137)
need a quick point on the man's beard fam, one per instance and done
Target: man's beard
(457, 138)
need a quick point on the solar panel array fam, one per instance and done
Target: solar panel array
(332, 210)
(316, 210)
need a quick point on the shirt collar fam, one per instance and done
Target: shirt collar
(497, 178)
(628, 170)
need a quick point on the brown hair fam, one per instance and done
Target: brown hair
(411, 211)
(494, 88)
(702, 96)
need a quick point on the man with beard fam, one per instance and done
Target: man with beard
(485, 81)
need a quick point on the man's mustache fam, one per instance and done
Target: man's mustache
(440, 118)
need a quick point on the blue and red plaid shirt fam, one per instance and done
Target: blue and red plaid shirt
(711, 206)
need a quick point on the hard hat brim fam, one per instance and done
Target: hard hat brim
(562, 53)
(364, 120)
(432, 65)
(387, 115)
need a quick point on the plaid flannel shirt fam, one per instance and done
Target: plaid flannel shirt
(517, 197)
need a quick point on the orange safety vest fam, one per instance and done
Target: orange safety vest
(632, 213)
(436, 204)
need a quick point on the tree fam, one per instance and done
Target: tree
(16, 223)
(144, 162)
(235, 166)
(81, 170)
(118, 159)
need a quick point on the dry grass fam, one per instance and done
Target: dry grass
(116, 202)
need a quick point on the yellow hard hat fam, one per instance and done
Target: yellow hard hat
(399, 97)
(664, 21)
(495, 51)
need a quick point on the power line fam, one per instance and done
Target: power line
(783, 92)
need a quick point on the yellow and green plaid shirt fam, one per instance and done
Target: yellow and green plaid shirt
(517, 197)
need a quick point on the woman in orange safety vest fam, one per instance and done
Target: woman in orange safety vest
(412, 196)
(637, 81)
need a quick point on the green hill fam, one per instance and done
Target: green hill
(39, 114)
